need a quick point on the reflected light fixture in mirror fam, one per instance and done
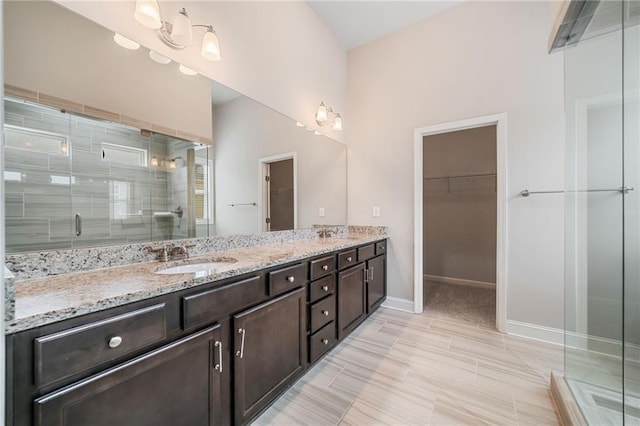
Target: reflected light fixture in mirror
(324, 113)
(179, 33)
(122, 41)
(186, 71)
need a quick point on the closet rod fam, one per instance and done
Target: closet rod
(461, 176)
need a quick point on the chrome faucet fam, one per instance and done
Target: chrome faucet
(166, 253)
(325, 232)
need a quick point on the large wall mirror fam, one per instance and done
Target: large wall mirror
(182, 156)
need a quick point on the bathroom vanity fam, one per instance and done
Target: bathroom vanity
(210, 350)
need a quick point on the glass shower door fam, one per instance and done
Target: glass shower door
(594, 246)
(631, 137)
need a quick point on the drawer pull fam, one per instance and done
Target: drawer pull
(325, 287)
(325, 341)
(325, 267)
(218, 345)
(240, 353)
(325, 313)
(291, 278)
(349, 259)
(115, 341)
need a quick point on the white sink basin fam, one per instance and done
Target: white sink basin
(198, 269)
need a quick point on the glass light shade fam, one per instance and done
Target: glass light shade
(317, 133)
(172, 164)
(154, 161)
(210, 46)
(186, 71)
(181, 32)
(148, 14)
(321, 114)
(122, 41)
(161, 59)
(337, 123)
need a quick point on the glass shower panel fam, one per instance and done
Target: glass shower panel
(631, 135)
(37, 177)
(594, 218)
(181, 190)
(111, 189)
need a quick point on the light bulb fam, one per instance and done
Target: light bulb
(148, 14)
(321, 114)
(210, 46)
(181, 32)
(337, 123)
(122, 41)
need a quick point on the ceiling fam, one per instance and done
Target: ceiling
(358, 22)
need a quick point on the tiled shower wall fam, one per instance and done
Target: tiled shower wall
(44, 192)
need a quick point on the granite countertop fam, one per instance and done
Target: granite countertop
(40, 301)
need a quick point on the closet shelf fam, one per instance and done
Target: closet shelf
(462, 176)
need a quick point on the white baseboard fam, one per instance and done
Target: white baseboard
(536, 332)
(398, 304)
(460, 281)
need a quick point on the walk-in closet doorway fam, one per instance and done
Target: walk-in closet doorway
(460, 232)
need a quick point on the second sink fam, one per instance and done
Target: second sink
(202, 269)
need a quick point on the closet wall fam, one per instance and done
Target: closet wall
(460, 205)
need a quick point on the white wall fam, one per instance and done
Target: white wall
(58, 53)
(245, 131)
(475, 59)
(278, 53)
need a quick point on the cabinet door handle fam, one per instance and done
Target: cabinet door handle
(291, 278)
(371, 274)
(325, 341)
(218, 366)
(365, 272)
(325, 313)
(240, 353)
(115, 341)
(325, 287)
(325, 267)
(349, 259)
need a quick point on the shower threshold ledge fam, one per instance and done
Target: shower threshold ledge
(568, 410)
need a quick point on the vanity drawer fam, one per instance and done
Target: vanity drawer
(322, 341)
(69, 352)
(321, 288)
(346, 259)
(323, 312)
(366, 252)
(322, 267)
(209, 306)
(381, 247)
(287, 278)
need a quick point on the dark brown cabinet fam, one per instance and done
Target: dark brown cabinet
(376, 274)
(214, 354)
(177, 384)
(352, 296)
(270, 352)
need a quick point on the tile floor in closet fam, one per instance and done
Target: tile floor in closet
(399, 368)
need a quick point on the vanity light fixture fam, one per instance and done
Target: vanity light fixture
(323, 115)
(179, 33)
(122, 41)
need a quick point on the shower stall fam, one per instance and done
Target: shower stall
(602, 227)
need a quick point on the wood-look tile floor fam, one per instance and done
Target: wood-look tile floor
(404, 369)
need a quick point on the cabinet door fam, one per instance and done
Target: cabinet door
(271, 352)
(178, 384)
(376, 283)
(352, 308)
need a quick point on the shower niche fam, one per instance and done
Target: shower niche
(73, 181)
